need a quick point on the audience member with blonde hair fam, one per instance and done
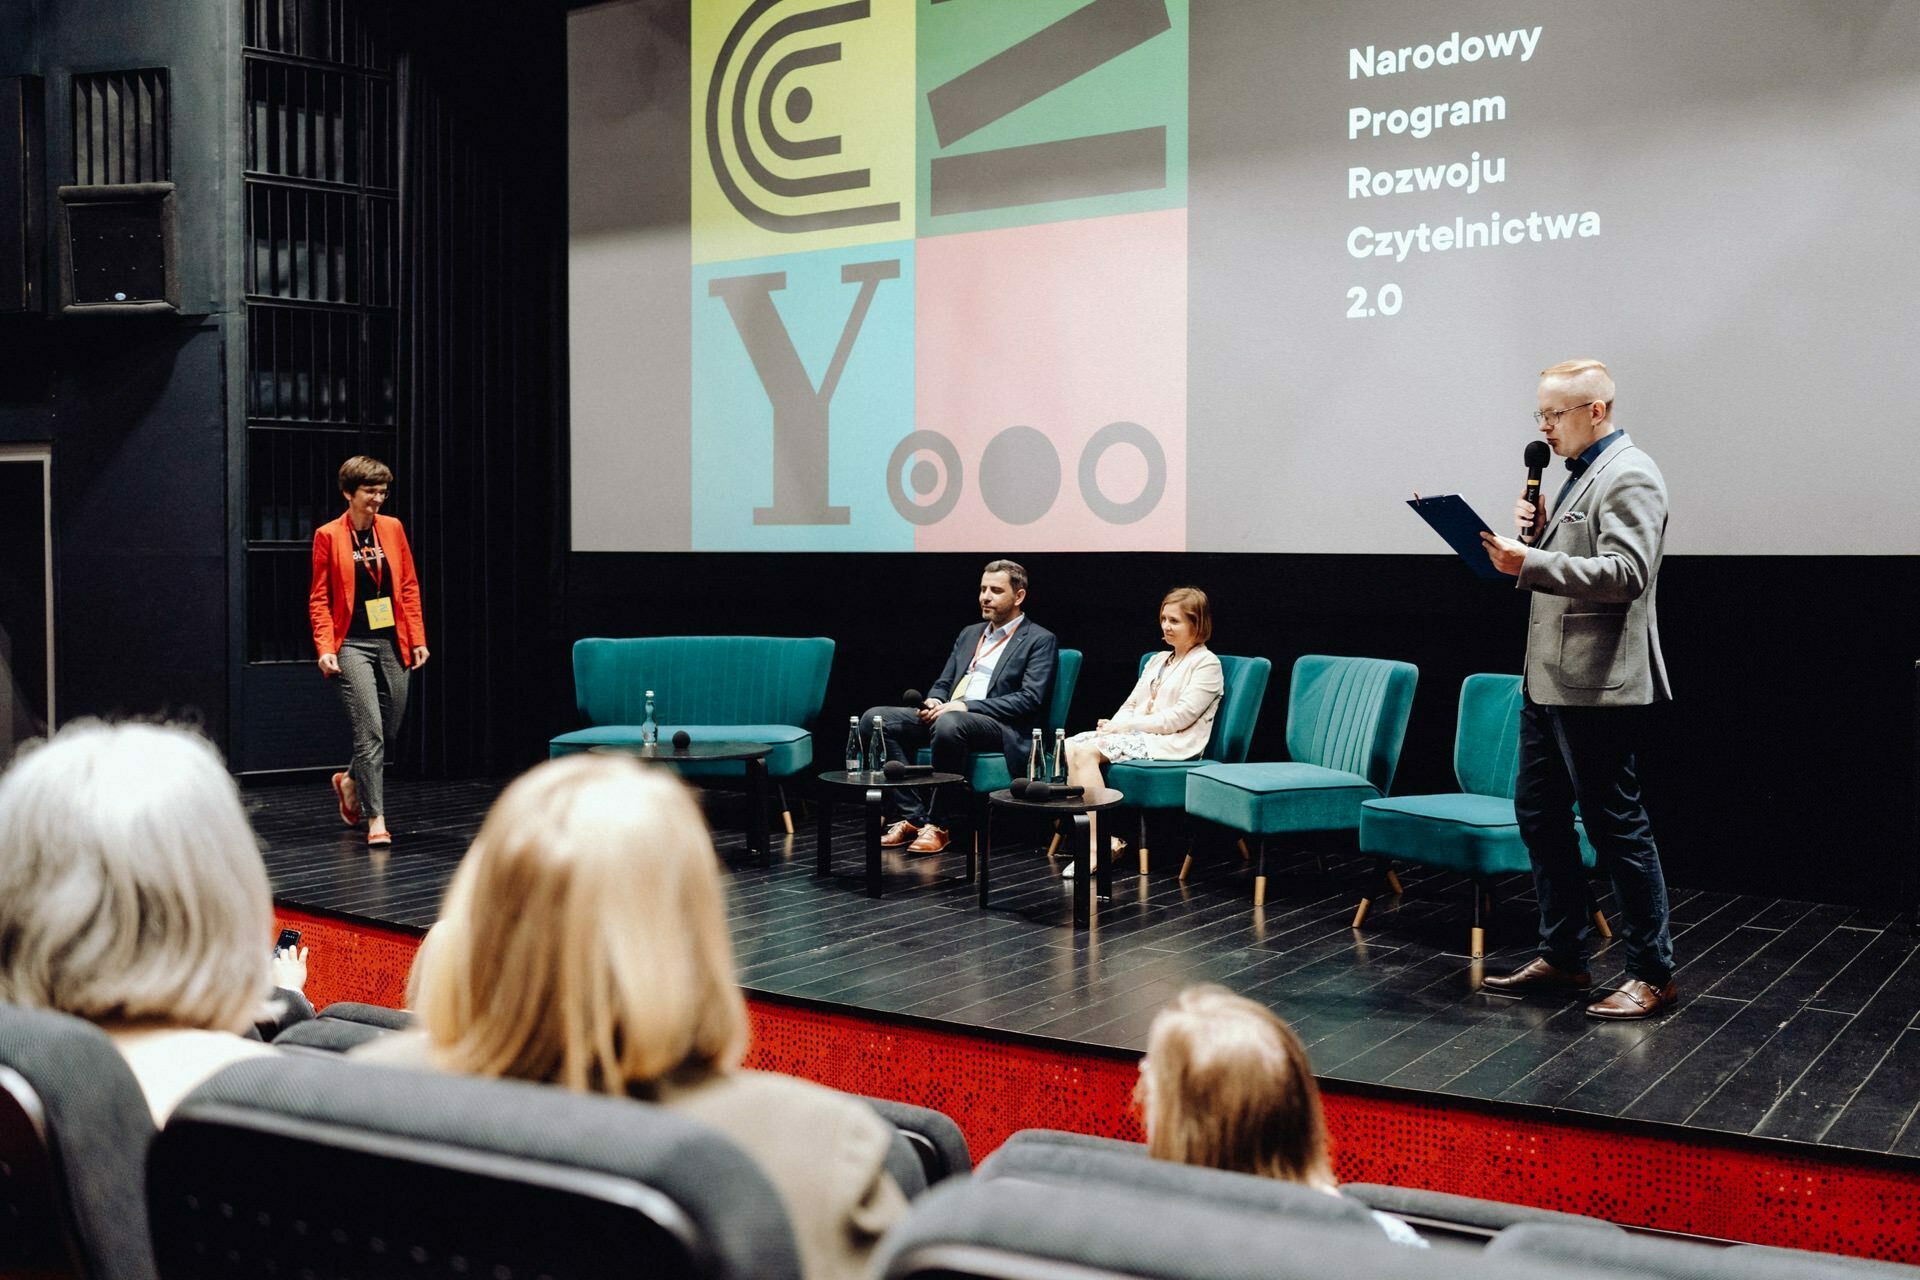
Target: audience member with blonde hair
(584, 943)
(1169, 715)
(132, 894)
(1227, 1084)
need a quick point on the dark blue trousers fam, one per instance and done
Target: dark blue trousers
(953, 737)
(1589, 755)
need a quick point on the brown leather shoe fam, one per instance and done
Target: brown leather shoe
(931, 839)
(898, 834)
(1537, 975)
(1634, 999)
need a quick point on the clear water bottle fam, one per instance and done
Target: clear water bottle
(1059, 776)
(1036, 760)
(649, 731)
(877, 746)
(853, 744)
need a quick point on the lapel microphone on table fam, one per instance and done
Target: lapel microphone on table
(1538, 455)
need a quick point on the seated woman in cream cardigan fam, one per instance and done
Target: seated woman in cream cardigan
(1169, 714)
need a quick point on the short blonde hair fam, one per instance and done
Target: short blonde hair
(131, 886)
(584, 939)
(1227, 1084)
(1588, 379)
(1192, 602)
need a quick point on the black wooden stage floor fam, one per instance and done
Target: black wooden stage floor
(1798, 1021)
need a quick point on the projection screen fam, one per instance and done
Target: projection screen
(1230, 275)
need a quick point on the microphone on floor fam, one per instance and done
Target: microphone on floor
(680, 739)
(901, 769)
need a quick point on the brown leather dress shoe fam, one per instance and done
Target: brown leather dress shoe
(1634, 999)
(1537, 975)
(931, 839)
(898, 834)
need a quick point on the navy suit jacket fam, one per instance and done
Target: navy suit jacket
(1017, 694)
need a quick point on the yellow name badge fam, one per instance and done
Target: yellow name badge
(380, 612)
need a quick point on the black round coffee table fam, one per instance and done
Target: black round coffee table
(1079, 808)
(873, 788)
(753, 754)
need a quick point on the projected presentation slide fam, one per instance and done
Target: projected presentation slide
(1228, 275)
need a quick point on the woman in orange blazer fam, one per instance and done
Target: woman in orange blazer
(365, 606)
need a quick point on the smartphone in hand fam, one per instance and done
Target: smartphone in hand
(289, 939)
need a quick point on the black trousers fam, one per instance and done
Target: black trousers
(1589, 755)
(953, 738)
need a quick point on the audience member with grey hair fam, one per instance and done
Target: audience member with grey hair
(132, 894)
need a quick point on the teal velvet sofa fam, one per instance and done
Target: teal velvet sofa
(1346, 720)
(718, 688)
(1472, 831)
(1162, 784)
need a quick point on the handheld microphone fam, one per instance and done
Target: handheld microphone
(912, 698)
(680, 739)
(1019, 787)
(901, 769)
(1538, 455)
(1043, 791)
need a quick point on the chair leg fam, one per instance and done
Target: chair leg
(1143, 842)
(1383, 877)
(1600, 923)
(1244, 855)
(1478, 942)
(786, 813)
(1053, 846)
(1259, 874)
(1393, 882)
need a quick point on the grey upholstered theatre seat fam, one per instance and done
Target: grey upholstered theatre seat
(935, 1139)
(344, 1025)
(1010, 1229)
(328, 1166)
(1062, 1165)
(1437, 1212)
(1662, 1259)
(74, 1132)
(1064, 1138)
(1430, 1212)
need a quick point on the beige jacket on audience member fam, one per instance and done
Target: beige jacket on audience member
(824, 1152)
(171, 1062)
(1182, 717)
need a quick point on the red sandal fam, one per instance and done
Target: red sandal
(349, 812)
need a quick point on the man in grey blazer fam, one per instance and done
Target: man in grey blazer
(1593, 671)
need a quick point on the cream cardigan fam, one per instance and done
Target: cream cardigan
(1182, 717)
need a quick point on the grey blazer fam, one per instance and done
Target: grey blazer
(1593, 635)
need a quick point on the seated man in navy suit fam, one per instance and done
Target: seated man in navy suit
(990, 697)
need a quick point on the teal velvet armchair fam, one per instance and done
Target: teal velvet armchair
(1472, 831)
(1346, 720)
(717, 688)
(1162, 784)
(987, 770)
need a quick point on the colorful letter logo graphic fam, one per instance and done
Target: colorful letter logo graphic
(1013, 377)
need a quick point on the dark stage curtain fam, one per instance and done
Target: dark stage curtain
(482, 94)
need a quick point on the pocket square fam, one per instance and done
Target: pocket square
(1573, 517)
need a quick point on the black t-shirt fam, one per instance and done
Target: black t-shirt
(371, 577)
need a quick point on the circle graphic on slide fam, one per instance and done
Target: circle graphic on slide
(1110, 436)
(925, 476)
(1019, 475)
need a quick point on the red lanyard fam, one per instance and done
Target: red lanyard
(375, 563)
(977, 655)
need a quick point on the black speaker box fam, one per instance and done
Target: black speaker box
(22, 172)
(117, 253)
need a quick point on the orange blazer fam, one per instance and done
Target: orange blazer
(330, 598)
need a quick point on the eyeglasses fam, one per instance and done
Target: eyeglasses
(1541, 415)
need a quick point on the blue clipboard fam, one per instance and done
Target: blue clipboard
(1461, 526)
